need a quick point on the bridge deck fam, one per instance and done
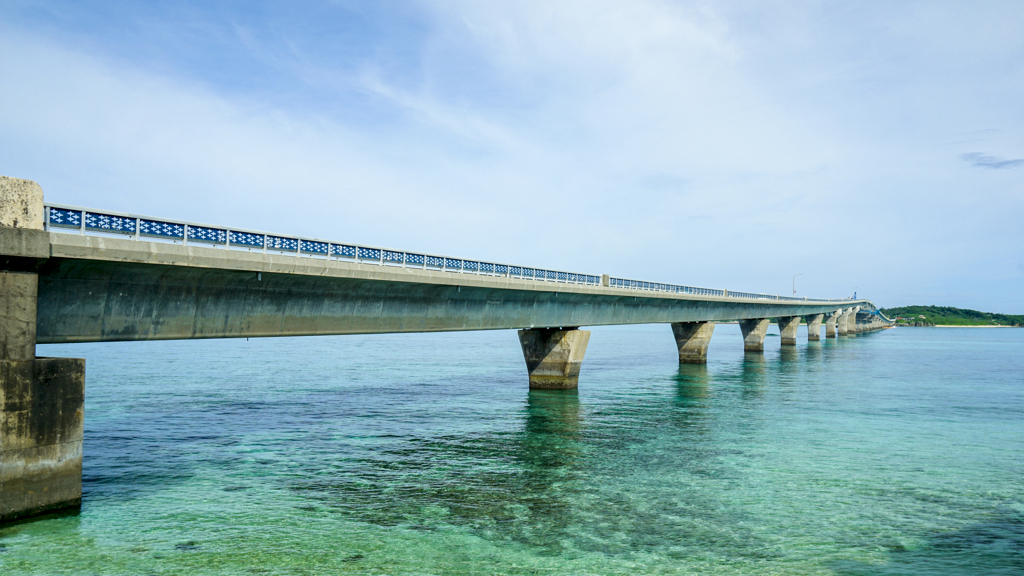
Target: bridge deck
(98, 288)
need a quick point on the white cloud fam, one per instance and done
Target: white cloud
(695, 143)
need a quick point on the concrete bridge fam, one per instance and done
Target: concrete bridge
(71, 274)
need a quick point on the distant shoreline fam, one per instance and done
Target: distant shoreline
(960, 317)
(957, 326)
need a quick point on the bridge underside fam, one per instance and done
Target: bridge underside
(103, 301)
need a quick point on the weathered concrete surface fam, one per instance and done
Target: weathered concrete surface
(814, 327)
(96, 289)
(868, 321)
(41, 404)
(787, 329)
(22, 248)
(843, 323)
(830, 324)
(753, 334)
(692, 339)
(21, 203)
(554, 357)
(18, 293)
(41, 399)
(41, 422)
(851, 320)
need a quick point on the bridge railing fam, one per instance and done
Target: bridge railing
(678, 289)
(752, 296)
(659, 287)
(86, 220)
(137, 227)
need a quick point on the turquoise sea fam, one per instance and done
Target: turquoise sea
(896, 452)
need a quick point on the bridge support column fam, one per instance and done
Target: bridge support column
(830, 324)
(850, 323)
(692, 339)
(814, 327)
(554, 356)
(753, 334)
(41, 399)
(788, 326)
(844, 321)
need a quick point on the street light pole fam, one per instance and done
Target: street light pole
(794, 282)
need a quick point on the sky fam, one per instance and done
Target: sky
(875, 147)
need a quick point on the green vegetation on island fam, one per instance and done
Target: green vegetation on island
(949, 316)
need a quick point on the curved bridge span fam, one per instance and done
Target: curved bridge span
(70, 274)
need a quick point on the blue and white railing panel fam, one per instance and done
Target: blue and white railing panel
(85, 220)
(245, 239)
(162, 229)
(281, 244)
(109, 223)
(313, 247)
(343, 251)
(204, 234)
(67, 218)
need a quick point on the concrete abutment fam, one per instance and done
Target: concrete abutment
(41, 399)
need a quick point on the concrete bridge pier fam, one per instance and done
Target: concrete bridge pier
(692, 339)
(871, 322)
(851, 321)
(814, 327)
(753, 334)
(788, 326)
(830, 324)
(842, 324)
(41, 399)
(554, 356)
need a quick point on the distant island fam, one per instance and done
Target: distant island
(949, 316)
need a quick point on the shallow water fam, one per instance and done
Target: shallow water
(896, 452)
